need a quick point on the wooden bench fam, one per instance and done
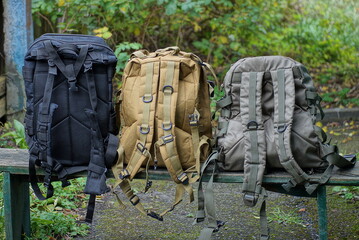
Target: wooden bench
(14, 165)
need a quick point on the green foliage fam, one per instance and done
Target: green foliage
(123, 53)
(340, 97)
(281, 216)
(14, 132)
(58, 216)
(320, 34)
(54, 218)
(348, 193)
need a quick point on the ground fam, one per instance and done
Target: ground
(290, 217)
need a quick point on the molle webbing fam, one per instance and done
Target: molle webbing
(255, 146)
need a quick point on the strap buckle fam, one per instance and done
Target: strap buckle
(250, 199)
(183, 178)
(134, 200)
(167, 139)
(193, 119)
(141, 147)
(155, 216)
(124, 174)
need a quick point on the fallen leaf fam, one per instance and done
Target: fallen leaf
(319, 124)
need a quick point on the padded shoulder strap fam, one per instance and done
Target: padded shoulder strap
(145, 124)
(284, 100)
(166, 116)
(254, 135)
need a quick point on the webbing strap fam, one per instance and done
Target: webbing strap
(263, 220)
(255, 149)
(91, 85)
(96, 178)
(135, 200)
(90, 208)
(69, 71)
(206, 202)
(284, 100)
(193, 122)
(141, 152)
(34, 182)
(44, 121)
(167, 142)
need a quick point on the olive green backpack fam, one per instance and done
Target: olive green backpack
(164, 108)
(267, 121)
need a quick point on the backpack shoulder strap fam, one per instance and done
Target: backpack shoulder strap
(166, 120)
(254, 135)
(166, 144)
(284, 100)
(145, 123)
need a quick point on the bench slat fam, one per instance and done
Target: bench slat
(15, 161)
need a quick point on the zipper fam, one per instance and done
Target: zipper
(62, 41)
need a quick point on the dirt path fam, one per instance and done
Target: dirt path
(291, 217)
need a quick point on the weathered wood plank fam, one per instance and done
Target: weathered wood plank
(15, 161)
(16, 206)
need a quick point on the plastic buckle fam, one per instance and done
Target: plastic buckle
(58, 168)
(167, 87)
(167, 139)
(193, 120)
(134, 200)
(141, 147)
(148, 186)
(124, 174)
(87, 66)
(183, 178)
(155, 216)
(250, 199)
(252, 125)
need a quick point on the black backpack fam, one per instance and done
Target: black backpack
(70, 119)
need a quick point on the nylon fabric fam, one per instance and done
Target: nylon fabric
(177, 105)
(71, 85)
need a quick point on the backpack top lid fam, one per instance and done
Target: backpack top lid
(267, 64)
(70, 45)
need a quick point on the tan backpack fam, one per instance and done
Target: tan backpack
(165, 120)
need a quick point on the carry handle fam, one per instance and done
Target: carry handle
(140, 54)
(175, 50)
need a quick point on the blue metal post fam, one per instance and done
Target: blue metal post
(18, 35)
